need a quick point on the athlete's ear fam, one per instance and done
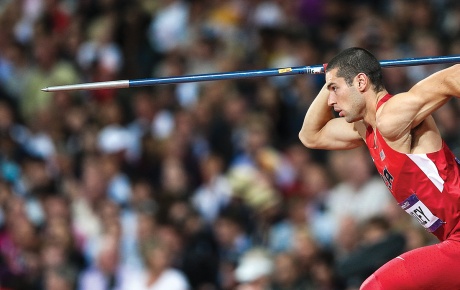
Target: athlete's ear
(361, 81)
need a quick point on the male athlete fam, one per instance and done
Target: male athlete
(418, 168)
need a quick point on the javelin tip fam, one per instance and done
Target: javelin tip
(89, 86)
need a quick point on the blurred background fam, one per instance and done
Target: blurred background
(198, 185)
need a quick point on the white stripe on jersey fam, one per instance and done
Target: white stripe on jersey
(429, 168)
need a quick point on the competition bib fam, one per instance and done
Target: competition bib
(413, 206)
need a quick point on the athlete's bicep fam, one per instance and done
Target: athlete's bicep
(337, 134)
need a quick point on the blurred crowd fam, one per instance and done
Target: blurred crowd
(197, 185)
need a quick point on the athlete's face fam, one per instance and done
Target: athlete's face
(346, 100)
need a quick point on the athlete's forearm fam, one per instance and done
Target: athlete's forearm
(317, 116)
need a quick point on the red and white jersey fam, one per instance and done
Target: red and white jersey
(427, 186)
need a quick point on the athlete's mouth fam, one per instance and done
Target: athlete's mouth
(339, 111)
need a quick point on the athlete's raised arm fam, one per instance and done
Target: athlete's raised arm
(406, 111)
(320, 130)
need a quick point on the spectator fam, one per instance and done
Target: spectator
(286, 273)
(357, 185)
(107, 272)
(62, 278)
(376, 240)
(200, 258)
(158, 273)
(47, 68)
(254, 270)
(282, 233)
(215, 192)
(233, 241)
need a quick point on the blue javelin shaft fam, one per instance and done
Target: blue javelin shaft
(314, 69)
(420, 61)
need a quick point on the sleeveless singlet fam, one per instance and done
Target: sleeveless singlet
(427, 186)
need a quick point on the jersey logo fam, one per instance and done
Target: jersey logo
(387, 178)
(416, 208)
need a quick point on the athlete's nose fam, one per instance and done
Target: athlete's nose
(331, 100)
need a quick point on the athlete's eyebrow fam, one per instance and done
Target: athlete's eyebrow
(330, 85)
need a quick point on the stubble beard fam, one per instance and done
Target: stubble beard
(356, 108)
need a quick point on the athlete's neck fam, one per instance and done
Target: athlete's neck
(370, 117)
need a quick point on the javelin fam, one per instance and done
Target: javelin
(313, 69)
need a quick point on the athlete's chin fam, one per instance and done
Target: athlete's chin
(349, 119)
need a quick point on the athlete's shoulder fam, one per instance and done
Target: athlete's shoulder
(392, 120)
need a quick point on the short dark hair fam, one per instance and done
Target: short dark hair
(352, 61)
